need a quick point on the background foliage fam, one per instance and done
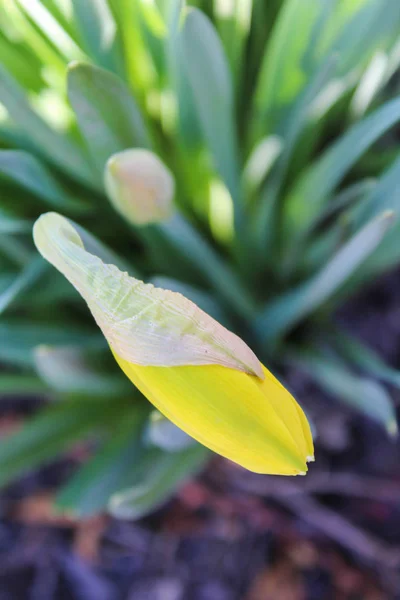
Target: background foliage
(278, 123)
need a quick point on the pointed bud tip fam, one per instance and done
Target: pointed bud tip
(139, 186)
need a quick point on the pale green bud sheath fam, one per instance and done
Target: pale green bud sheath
(201, 376)
(139, 186)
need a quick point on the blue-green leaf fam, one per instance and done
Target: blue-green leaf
(9, 224)
(51, 432)
(311, 192)
(188, 121)
(208, 74)
(98, 31)
(26, 171)
(290, 308)
(302, 39)
(28, 277)
(56, 148)
(22, 384)
(107, 113)
(286, 68)
(164, 473)
(69, 369)
(365, 358)
(233, 21)
(384, 196)
(112, 468)
(15, 250)
(18, 338)
(295, 122)
(208, 262)
(361, 393)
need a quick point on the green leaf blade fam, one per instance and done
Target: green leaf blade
(360, 393)
(208, 74)
(310, 193)
(107, 114)
(57, 149)
(168, 471)
(48, 434)
(113, 467)
(289, 309)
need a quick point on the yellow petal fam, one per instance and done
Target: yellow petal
(230, 412)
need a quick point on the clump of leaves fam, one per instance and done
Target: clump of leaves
(278, 124)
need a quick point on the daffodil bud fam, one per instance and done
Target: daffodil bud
(201, 376)
(139, 186)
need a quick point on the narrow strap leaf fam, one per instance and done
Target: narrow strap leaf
(18, 339)
(27, 278)
(15, 250)
(233, 24)
(56, 148)
(138, 64)
(311, 192)
(296, 121)
(26, 171)
(22, 384)
(98, 31)
(364, 357)
(50, 433)
(209, 77)
(69, 369)
(50, 29)
(107, 113)
(167, 471)
(287, 310)
(361, 393)
(113, 467)
(188, 120)
(285, 66)
(208, 263)
(10, 224)
(384, 196)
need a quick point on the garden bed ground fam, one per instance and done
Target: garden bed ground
(231, 535)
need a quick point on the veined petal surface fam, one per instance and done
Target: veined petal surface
(144, 324)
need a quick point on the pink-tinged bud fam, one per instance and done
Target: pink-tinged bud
(140, 186)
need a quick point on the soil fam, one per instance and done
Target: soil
(232, 535)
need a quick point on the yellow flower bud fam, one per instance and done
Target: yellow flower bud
(201, 376)
(139, 186)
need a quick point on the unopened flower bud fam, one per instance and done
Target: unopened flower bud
(140, 186)
(198, 374)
